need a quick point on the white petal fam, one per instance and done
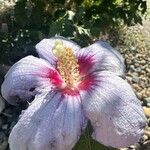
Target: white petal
(44, 48)
(114, 111)
(100, 56)
(52, 122)
(29, 73)
(22, 135)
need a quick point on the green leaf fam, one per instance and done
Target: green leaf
(56, 28)
(87, 143)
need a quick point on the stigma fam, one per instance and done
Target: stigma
(67, 64)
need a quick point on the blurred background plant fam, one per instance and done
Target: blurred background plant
(25, 22)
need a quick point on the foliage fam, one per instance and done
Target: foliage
(79, 20)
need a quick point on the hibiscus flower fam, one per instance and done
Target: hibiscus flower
(71, 85)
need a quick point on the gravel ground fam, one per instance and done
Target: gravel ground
(136, 52)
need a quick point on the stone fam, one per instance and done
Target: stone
(147, 133)
(129, 78)
(145, 138)
(147, 69)
(137, 64)
(135, 79)
(142, 72)
(147, 111)
(143, 62)
(138, 69)
(132, 48)
(148, 105)
(136, 74)
(132, 67)
(146, 101)
(139, 95)
(132, 147)
(136, 87)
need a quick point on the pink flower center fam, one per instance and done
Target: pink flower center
(71, 71)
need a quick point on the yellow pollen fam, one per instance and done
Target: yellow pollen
(67, 64)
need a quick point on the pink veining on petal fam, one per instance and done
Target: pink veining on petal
(70, 91)
(54, 76)
(87, 82)
(85, 62)
(57, 82)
